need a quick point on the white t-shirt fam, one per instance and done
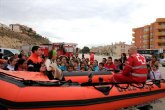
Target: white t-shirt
(53, 66)
(156, 75)
(10, 67)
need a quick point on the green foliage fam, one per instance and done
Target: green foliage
(85, 49)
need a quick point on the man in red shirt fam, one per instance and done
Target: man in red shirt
(135, 69)
(109, 65)
(92, 57)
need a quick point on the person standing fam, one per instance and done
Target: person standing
(92, 57)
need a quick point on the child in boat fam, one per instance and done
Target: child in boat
(11, 64)
(52, 69)
(21, 65)
(155, 74)
(70, 68)
(101, 67)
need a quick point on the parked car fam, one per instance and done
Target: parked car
(148, 57)
(162, 62)
(8, 52)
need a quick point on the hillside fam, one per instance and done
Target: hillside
(11, 39)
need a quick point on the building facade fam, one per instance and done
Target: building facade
(150, 36)
(120, 48)
(115, 49)
(15, 27)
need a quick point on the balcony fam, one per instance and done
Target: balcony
(161, 40)
(160, 20)
(161, 27)
(160, 33)
(146, 37)
(147, 32)
(151, 42)
(161, 44)
(133, 39)
(133, 34)
(146, 43)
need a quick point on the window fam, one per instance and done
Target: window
(8, 53)
(69, 49)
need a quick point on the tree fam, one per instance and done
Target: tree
(85, 49)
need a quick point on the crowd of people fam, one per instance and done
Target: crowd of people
(131, 69)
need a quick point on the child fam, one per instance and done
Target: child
(155, 74)
(70, 68)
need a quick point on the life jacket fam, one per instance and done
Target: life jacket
(35, 58)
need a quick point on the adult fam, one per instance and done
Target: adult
(135, 70)
(92, 57)
(123, 60)
(35, 61)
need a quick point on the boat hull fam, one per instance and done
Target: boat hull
(15, 94)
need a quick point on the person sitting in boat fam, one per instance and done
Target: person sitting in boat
(90, 69)
(104, 60)
(155, 74)
(76, 65)
(35, 61)
(64, 62)
(52, 70)
(21, 65)
(109, 64)
(117, 64)
(83, 65)
(70, 68)
(11, 64)
(3, 61)
(123, 59)
(101, 67)
(95, 66)
(82, 69)
(135, 69)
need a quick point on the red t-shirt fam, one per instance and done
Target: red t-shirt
(110, 66)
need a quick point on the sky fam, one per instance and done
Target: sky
(85, 22)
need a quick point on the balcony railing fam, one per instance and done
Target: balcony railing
(133, 39)
(160, 33)
(161, 40)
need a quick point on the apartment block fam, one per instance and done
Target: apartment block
(150, 36)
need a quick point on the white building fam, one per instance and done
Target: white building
(120, 48)
(15, 27)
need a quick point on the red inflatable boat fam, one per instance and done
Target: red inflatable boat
(34, 91)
